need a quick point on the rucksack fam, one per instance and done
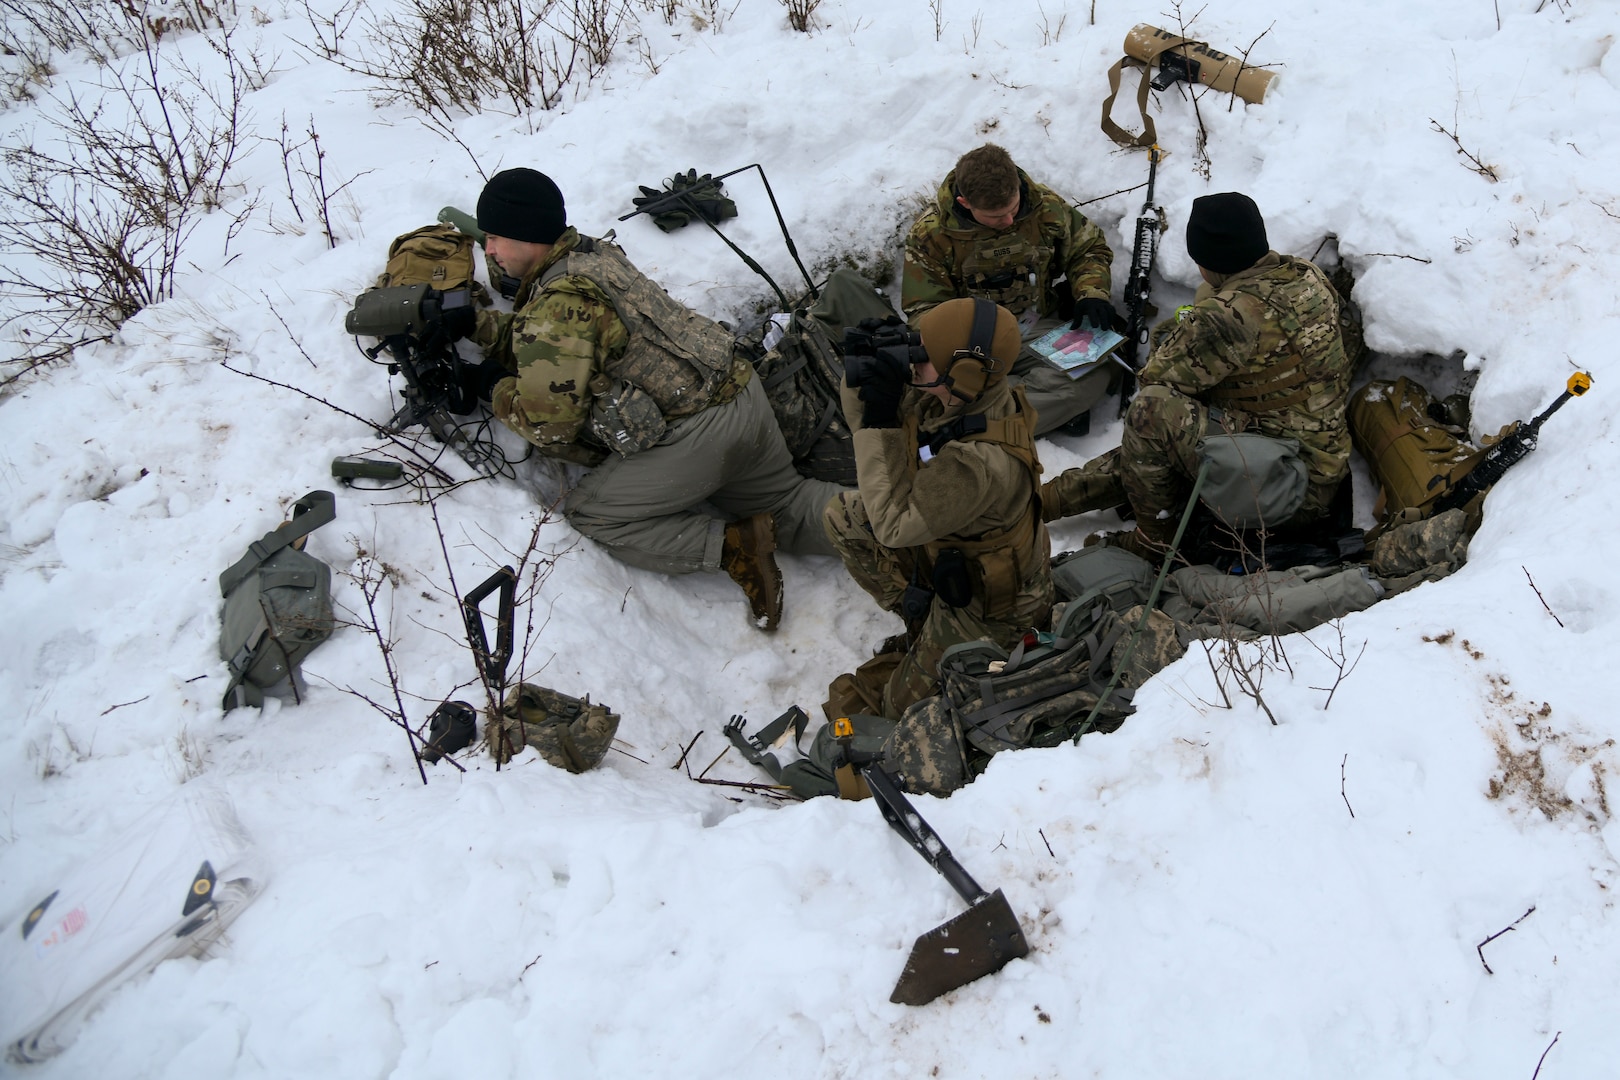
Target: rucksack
(278, 605)
(439, 256)
(1414, 456)
(568, 732)
(800, 374)
(1040, 694)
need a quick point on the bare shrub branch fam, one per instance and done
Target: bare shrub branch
(101, 198)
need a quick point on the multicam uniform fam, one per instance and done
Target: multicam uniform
(949, 255)
(611, 371)
(975, 494)
(1259, 351)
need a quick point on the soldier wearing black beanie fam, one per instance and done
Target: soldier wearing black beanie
(1225, 232)
(522, 204)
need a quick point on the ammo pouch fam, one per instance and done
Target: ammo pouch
(278, 605)
(568, 732)
(1255, 481)
(626, 419)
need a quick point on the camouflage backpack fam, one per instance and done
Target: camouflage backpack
(991, 700)
(568, 732)
(278, 605)
(800, 374)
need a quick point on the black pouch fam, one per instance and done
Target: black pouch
(451, 728)
(951, 580)
(915, 602)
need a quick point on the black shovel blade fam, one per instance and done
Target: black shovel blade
(978, 942)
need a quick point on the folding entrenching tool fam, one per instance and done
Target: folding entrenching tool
(978, 942)
(491, 664)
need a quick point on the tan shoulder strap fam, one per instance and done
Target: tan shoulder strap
(1149, 136)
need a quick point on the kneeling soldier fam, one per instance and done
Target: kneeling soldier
(608, 370)
(1259, 351)
(945, 527)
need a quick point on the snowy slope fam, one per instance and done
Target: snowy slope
(1199, 897)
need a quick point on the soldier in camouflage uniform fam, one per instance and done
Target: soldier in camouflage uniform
(947, 476)
(607, 370)
(995, 233)
(1258, 351)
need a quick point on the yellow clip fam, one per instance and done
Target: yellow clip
(1580, 383)
(843, 729)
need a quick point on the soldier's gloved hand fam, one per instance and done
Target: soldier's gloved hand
(881, 392)
(458, 322)
(1097, 312)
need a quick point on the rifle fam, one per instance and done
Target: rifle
(1507, 451)
(408, 321)
(1150, 226)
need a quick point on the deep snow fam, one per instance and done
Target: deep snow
(1199, 897)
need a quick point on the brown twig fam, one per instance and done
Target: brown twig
(711, 764)
(1342, 795)
(1111, 194)
(1480, 948)
(770, 791)
(1047, 842)
(122, 704)
(1476, 165)
(529, 965)
(1397, 255)
(1544, 1054)
(1243, 62)
(1543, 599)
(682, 759)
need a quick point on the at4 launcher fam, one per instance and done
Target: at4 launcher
(1150, 225)
(1507, 451)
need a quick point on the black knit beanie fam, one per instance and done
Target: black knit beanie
(521, 204)
(1225, 232)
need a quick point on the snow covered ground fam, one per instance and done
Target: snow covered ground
(1206, 894)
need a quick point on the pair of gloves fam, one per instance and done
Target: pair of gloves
(704, 196)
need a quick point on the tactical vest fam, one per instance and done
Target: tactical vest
(682, 360)
(1009, 269)
(1002, 560)
(1306, 310)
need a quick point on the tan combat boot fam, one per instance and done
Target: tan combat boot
(748, 556)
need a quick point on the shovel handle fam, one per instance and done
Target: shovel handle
(904, 819)
(491, 665)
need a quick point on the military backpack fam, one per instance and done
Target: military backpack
(568, 732)
(438, 256)
(278, 605)
(1040, 694)
(1414, 455)
(800, 374)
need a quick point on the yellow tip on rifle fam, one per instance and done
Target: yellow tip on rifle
(1580, 383)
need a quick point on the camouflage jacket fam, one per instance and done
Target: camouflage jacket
(1263, 345)
(949, 255)
(603, 357)
(977, 493)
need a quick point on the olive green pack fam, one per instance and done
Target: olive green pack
(278, 605)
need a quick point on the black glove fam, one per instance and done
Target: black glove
(881, 394)
(705, 196)
(1099, 313)
(458, 322)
